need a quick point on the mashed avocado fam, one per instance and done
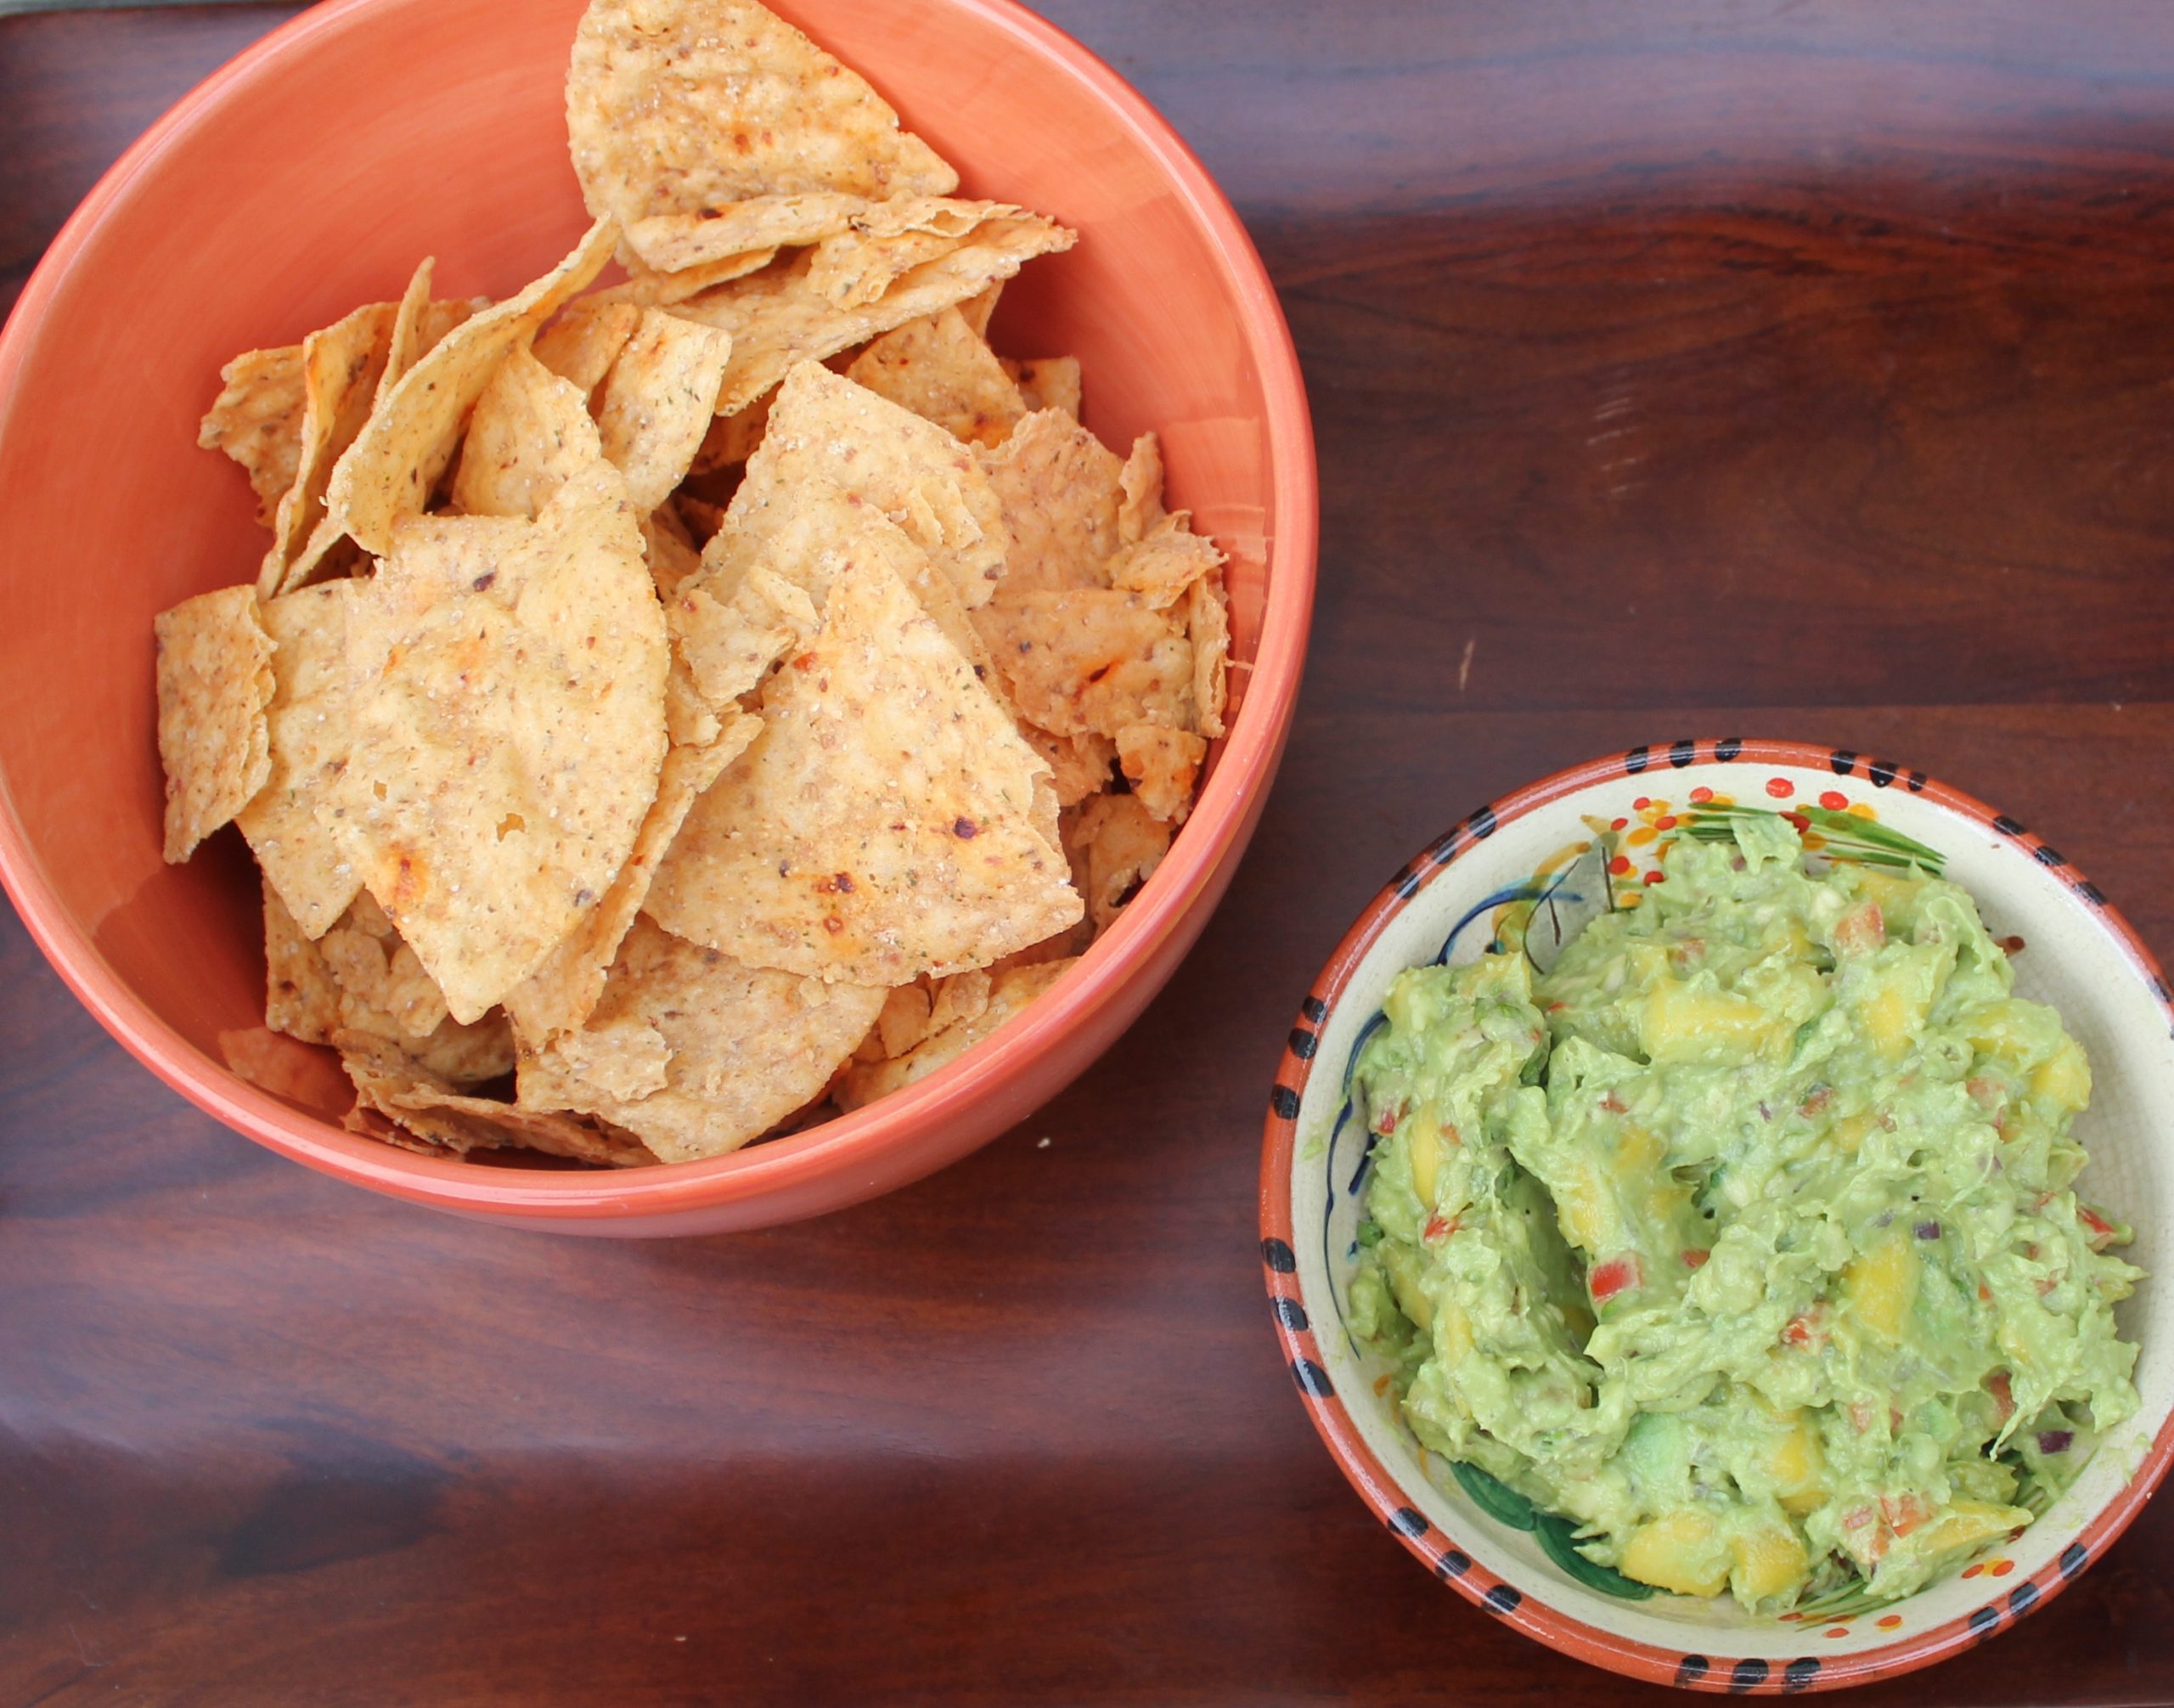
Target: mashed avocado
(1744, 1239)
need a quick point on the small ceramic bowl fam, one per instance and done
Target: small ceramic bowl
(311, 175)
(2079, 954)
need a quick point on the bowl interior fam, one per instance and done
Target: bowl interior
(311, 180)
(2073, 958)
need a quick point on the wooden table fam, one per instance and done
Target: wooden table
(1690, 367)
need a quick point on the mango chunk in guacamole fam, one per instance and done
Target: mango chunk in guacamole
(1746, 1238)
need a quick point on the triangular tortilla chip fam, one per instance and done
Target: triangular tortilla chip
(658, 401)
(647, 287)
(1007, 994)
(824, 427)
(779, 316)
(257, 421)
(397, 1089)
(530, 434)
(586, 339)
(559, 995)
(721, 108)
(1091, 660)
(881, 826)
(309, 732)
(340, 368)
(696, 1052)
(939, 368)
(389, 471)
(1059, 489)
(508, 683)
(215, 679)
(884, 242)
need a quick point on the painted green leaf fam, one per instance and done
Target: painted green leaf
(1494, 1497)
(1556, 1536)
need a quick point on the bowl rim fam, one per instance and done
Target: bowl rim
(1528, 1613)
(1227, 805)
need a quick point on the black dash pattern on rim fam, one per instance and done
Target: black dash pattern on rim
(1727, 748)
(1983, 1621)
(1408, 1521)
(1842, 761)
(2160, 985)
(1311, 1379)
(1691, 1670)
(1681, 753)
(1637, 760)
(2074, 1558)
(2047, 854)
(1314, 1009)
(1504, 1599)
(1283, 1101)
(1882, 773)
(2021, 1599)
(1799, 1674)
(2006, 825)
(2092, 892)
(1406, 885)
(1278, 1257)
(1304, 1043)
(1482, 824)
(1454, 1562)
(1289, 1313)
(1747, 1676)
(1918, 781)
(1446, 850)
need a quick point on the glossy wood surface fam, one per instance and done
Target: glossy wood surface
(1703, 368)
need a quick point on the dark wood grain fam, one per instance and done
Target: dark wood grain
(1695, 368)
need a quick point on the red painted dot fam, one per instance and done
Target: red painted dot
(1781, 788)
(1653, 877)
(1641, 803)
(2002, 1568)
(1800, 820)
(1665, 822)
(1702, 795)
(1834, 801)
(1888, 1621)
(1620, 824)
(1839, 1630)
(1619, 865)
(1974, 1569)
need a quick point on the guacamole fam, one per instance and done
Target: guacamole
(1744, 1238)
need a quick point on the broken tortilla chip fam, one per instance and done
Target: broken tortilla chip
(886, 240)
(1140, 483)
(395, 1088)
(1048, 382)
(1162, 567)
(881, 826)
(1007, 994)
(1059, 489)
(939, 368)
(1080, 765)
(730, 644)
(508, 683)
(659, 399)
(389, 471)
(1163, 766)
(1120, 843)
(672, 555)
(647, 287)
(721, 111)
(1089, 660)
(1207, 626)
(530, 434)
(581, 345)
(308, 732)
(257, 421)
(215, 680)
(340, 368)
(696, 1052)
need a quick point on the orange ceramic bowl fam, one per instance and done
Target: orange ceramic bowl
(309, 175)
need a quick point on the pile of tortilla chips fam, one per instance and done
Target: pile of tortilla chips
(670, 713)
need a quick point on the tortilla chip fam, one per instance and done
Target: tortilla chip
(647, 287)
(581, 345)
(308, 732)
(730, 643)
(381, 975)
(1162, 567)
(301, 998)
(977, 309)
(257, 421)
(672, 555)
(826, 428)
(961, 997)
(1059, 489)
(696, 1052)
(1119, 843)
(1207, 626)
(733, 439)
(1007, 996)
(1140, 483)
(721, 109)
(673, 244)
(340, 368)
(1163, 765)
(560, 995)
(215, 679)
(658, 401)
(530, 434)
(903, 1020)
(389, 471)
(939, 368)
(1079, 764)
(508, 679)
(1048, 382)
(778, 317)
(1091, 660)
(883, 242)
(395, 1088)
(881, 828)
